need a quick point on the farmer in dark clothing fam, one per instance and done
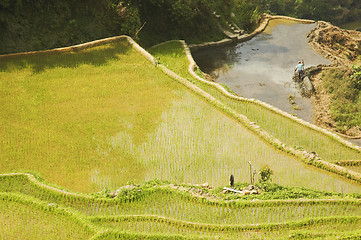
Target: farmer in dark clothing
(231, 180)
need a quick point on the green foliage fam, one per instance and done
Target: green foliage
(130, 21)
(246, 14)
(333, 11)
(42, 25)
(272, 191)
(356, 77)
(344, 88)
(39, 25)
(266, 173)
(275, 191)
(176, 19)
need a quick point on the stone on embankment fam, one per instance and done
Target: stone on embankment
(307, 84)
(246, 192)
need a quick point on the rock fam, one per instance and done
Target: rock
(205, 185)
(246, 192)
(250, 188)
(304, 85)
(254, 192)
(128, 187)
(308, 84)
(113, 194)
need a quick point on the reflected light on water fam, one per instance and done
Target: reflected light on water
(262, 68)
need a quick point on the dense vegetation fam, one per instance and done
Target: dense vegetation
(194, 21)
(27, 25)
(344, 87)
(42, 25)
(335, 11)
(37, 25)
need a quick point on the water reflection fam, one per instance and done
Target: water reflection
(262, 68)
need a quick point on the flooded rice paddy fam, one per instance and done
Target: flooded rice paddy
(262, 68)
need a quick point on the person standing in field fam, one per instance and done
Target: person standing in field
(231, 180)
(299, 68)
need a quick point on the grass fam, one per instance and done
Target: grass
(344, 92)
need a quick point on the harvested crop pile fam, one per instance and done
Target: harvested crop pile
(339, 45)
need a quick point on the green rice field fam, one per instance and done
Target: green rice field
(87, 126)
(87, 122)
(24, 218)
(157, 210)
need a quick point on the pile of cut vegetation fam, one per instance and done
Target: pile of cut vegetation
(340, 45)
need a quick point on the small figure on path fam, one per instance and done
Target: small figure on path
(231, 180)
(299, 69)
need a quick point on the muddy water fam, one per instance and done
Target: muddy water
(262, 68)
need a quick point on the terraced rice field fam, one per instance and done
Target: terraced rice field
(160, 211)
(21, 218)
(97, 119)
(87, 124)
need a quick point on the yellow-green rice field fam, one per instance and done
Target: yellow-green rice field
(101, 117)
(91, 121)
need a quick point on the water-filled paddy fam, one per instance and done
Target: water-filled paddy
(262, 68)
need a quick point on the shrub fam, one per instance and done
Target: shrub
(266, 173)
(356, 76)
